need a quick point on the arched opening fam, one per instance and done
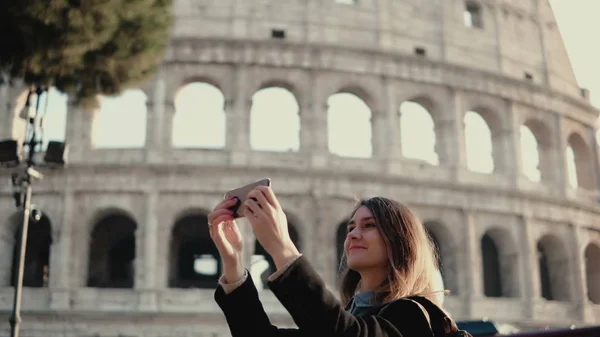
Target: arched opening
(545, 286)
(417, 132)
(500, 264)
(492, 280)
(36, 269)
(262, 263)
(112, 252)
(349, 126)
(479, 143)
(121, 121)
(194, 259)
(592, 271)
(274, 106)
(579, 163)
(472, 15)
(446, 253)
(554, 274)
(199, 120)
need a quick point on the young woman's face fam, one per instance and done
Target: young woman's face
(364, 245)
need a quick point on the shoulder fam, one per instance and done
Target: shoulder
(408, 316)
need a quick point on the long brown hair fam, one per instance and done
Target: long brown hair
(412, 256)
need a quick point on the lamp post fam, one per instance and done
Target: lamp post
(22, 180)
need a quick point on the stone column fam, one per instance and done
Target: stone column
(578, 276)
(530, 277)
(558, 152)
(11, 99)
(595, 157)
(60, 256)
(155, 132)
(381, 148)
(473, 287)
(146, 250)
(507, 157)
(79, 132)
(391, 118)
(314, 124)
(238, 119)
(450, 132)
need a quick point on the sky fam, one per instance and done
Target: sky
(579, 25)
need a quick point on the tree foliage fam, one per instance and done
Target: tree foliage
(83, 47)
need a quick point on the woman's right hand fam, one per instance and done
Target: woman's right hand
(227, 237)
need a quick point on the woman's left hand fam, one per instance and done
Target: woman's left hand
(270, 225)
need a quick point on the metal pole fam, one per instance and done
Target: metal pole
(25, 183)
(15, 319)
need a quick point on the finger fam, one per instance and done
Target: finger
(226, 203)
(220, 212)
(219, 220)
(262, 201)
(254, 195)
(250, 216)
(267, 191)
(254, 207)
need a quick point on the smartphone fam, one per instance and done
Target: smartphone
(241, 193)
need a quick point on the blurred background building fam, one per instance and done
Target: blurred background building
(469, 111)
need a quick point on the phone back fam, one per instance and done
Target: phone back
(242, 192)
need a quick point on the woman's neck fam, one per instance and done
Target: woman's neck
(370, 280)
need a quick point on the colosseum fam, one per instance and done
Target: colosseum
(468, 111)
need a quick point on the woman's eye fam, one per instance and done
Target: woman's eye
(367, 225)
(350, 229)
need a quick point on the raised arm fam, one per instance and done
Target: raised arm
(245, 314)
(317, 312)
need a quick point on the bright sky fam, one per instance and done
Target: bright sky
(579, 25)
(203, 125)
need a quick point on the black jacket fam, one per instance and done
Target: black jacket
(315, 310)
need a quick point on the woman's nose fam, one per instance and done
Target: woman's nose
(354, 233)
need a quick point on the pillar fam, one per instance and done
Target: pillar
(60, 256)
(450, 133)
(238, 118)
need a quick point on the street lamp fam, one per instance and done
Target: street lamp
(22, 179)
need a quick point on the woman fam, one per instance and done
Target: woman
(388, 258)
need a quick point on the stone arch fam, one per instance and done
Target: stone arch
(112, 252)
(592, 272)
(121, 120)
(417, 130)
(199, 103)
(350, 131)
(194, 261)
(581, 172)
(483, 139)
(553, 268)
(500, 264)
(446, 253)
(275, 105)
(262, 264)
(36, 268)
(536, 150)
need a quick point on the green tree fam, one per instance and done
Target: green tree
(83, 47)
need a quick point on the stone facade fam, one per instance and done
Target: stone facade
(513, 70)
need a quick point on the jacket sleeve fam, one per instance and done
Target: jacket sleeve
(245, 314)
(318, 313)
